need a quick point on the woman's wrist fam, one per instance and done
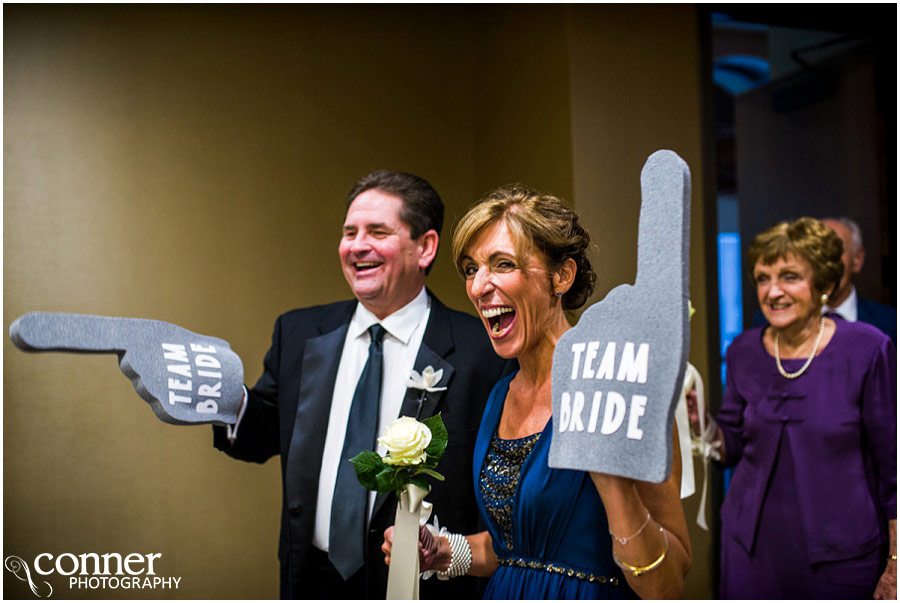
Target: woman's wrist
(444, 554)
(458, 554)
(645, 566)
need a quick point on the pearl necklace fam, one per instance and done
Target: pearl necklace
(809, 360)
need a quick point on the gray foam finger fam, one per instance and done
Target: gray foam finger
(617, 374)
(186, 378)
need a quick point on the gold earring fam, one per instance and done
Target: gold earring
(824, 298)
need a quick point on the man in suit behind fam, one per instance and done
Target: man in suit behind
(307, 406)
(844, 300)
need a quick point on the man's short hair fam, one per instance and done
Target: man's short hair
(853, 227)
(422, 210)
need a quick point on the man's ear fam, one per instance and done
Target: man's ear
(857, 260)
(564, 276)
(428, 246)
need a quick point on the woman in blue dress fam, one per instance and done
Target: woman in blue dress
(552, 534)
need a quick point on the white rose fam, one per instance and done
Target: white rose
(406, 440)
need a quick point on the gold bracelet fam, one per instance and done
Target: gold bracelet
(637, 571)
(892, 557)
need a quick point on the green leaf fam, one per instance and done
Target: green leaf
(367, 464)
(431, 472)
(439, 437)
(388, 480)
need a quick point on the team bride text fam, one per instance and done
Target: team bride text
(182, 377)
(631, 368)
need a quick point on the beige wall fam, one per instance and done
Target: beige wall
(189, 164)
(635, 82)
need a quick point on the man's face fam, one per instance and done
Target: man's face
(852, 257)
(382, 264)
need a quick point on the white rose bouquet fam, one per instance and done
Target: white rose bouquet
(413, 451)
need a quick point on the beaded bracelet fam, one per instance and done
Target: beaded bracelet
(637, 571)
(460, 557)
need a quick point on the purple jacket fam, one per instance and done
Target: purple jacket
(841, 421)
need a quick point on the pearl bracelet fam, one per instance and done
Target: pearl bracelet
(460, 557)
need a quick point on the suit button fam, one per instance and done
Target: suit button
(295, 509)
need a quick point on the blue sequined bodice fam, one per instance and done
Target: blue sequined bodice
(500, 478)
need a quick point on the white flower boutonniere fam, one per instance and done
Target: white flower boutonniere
(427, 380)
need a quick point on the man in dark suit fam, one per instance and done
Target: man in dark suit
(315, 380)
(844, 300)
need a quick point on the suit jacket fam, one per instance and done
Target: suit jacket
(878, 315)
(287, 414)
(867, 311)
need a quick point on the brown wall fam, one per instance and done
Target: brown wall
(824, 158)
(189, 164)
(635, 85)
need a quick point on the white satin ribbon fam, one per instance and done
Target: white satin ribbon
(403, 574)
(684, 431)
(691, 446)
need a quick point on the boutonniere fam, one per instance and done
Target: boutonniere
(427, 382)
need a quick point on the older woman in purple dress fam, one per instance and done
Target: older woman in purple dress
(809, 419)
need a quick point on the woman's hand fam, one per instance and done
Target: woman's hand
(693, 412)
(712, 438)
(428, 548)
(887, 584)
(627, 503)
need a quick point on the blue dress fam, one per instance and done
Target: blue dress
(555, 543)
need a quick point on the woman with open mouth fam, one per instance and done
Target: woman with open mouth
(552, 533)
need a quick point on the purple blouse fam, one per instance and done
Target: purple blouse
(841, 420)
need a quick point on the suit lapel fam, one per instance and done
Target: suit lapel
(436, 343)
(321, 357)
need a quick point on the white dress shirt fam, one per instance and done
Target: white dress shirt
(847, 310)
(405, 329)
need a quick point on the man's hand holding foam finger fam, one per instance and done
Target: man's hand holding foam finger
(187, 378)
(617, 375)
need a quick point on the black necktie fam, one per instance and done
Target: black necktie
(347, 536)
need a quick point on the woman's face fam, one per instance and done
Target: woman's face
(513, 296)
(786, 292)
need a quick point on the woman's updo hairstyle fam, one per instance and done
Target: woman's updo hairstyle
(537, 221)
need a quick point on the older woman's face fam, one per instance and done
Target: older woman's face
(786, 292)
(512, 296)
